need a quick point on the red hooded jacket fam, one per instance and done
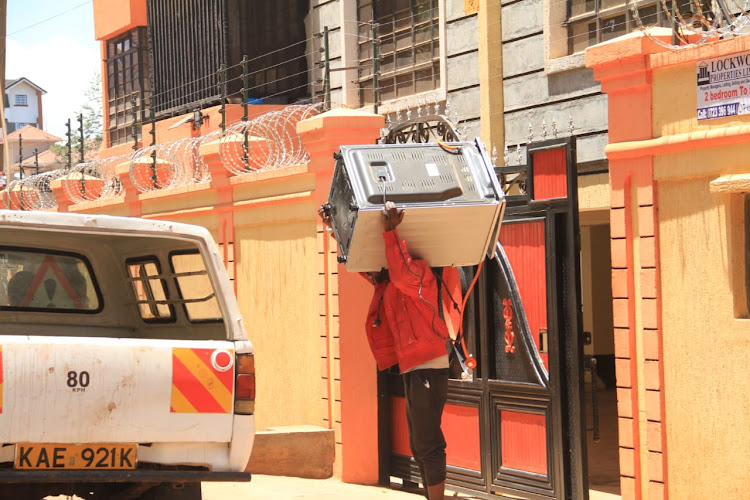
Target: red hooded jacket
(410, 331)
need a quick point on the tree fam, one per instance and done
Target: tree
(93, 125)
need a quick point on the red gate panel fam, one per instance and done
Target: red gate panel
(524, 245)
(460, 427)
(523, 439)
(550, 174)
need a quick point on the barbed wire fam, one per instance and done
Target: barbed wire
(33, 192)
(271, 138)
(267, 142)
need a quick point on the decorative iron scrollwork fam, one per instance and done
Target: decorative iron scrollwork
(513, 180)
(513, 183)
(421, 130)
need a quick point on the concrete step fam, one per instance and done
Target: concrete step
(305, 451)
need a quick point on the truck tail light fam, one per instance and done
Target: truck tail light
(244, 387)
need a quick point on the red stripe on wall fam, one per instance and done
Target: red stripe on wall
(523, 441)
(192, 389)
(550, 174)
(524, 245)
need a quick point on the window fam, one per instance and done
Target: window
(150, 290)
(126, 78)
(22, 100)
(593, 21)
(408, 50)
(39, 280)
(194, 286)
(272, 35)
(190, 40)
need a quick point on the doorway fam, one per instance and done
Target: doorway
(600, 394)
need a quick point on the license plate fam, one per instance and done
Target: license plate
(75, 456)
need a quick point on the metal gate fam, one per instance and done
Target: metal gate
(516, 427)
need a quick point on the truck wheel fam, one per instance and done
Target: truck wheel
(174, 491)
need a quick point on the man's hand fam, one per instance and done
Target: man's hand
(392, 216)
(325, 217)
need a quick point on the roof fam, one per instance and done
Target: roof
(48, 158)
(10, 83)
(101, 223)
(31, 133)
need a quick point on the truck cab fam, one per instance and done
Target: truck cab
(125, 370)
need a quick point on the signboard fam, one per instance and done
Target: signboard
(724, 86)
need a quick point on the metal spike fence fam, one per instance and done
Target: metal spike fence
(94, 180)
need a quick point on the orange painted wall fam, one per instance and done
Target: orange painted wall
(623, 68)
(269, 219)
(114, 17)
(678, 186)
(359, 385)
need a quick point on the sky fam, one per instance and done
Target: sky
(51, 42)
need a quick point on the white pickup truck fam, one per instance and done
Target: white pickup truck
(125, 371)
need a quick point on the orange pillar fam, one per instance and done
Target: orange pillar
(352, 405)
(63, 201)
(132, 198)
(623, 67)
(221, 182)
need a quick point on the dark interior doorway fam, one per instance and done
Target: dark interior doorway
(601, 399)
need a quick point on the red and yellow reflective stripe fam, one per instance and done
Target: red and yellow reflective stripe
(197, 387)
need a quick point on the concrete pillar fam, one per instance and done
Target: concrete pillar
(622, 66)
(349, 372)
(61, 195)
(131, 198)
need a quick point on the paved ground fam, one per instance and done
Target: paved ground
(293, 488)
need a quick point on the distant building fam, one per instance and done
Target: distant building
(23, 142)
(23, 104)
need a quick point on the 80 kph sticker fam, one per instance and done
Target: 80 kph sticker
(74, 456)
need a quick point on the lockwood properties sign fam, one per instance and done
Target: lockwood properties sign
(724, 86)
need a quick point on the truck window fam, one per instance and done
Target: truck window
(193, 283)
(150, 290)
(47, 281)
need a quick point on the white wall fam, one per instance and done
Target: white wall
(23, 114)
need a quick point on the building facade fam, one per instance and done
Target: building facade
(23, 104)
(520, 75)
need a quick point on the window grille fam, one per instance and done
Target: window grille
(192, 39)
(22, 100)
(272, 35)
(127, 77)
(150, 290)
(595, 21)
(408, 48)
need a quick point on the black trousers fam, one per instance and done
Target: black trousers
(426, 392)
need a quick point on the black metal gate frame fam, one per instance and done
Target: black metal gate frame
(567, 458)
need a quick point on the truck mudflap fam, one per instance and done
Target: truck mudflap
(119, 476)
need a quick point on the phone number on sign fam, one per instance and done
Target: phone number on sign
(718, 111)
